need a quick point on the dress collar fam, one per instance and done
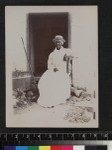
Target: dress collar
(58, 50)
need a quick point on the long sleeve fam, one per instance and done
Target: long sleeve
(50, 64)
(69, 52)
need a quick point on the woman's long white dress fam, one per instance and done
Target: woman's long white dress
(54, 87)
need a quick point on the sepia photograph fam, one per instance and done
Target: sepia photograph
(51, 55)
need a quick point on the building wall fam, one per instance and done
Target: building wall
(83, 40)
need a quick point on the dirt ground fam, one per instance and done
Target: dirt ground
(73, 113)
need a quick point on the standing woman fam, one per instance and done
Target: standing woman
(54, 85)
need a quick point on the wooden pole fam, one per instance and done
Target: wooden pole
(27, 58)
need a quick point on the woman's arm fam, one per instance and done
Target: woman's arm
(68, 55)
(51, 66)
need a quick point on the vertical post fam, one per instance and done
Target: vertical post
(71, 62)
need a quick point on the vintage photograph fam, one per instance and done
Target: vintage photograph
(51, 66)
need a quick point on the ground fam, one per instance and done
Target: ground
(75, 112)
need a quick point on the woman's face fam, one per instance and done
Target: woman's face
(58, 44)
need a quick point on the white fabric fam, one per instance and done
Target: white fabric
(54, 87)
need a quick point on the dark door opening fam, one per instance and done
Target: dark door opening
(42, 27)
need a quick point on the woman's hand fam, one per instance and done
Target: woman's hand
(65, 58)
(55, 69)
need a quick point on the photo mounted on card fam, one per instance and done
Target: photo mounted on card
(51, 66)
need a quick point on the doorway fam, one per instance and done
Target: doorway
(42, 28)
